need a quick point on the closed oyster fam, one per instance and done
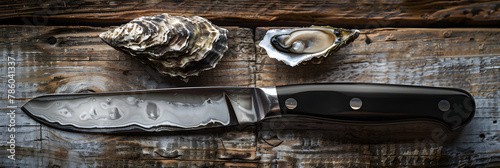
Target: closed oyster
(175, 45)
(293, 46)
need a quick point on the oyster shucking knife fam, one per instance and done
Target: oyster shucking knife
(202, 107)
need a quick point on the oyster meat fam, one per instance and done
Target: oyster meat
(174, 45)
(293, 46)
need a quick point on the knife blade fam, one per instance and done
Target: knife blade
(204, 107)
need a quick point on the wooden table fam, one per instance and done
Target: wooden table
(55, 48)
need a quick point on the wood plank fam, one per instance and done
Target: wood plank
(197, 148)
(362, 14)
(414, 56)
(456, 57)
(27, 146)
(77, 60)
(314, 143)
(66, 59)
(463, 57)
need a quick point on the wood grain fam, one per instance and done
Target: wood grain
(64, 59)
(458, 57)
(77, 60)
(361, 14)
(412, 56)
(69, 59)
(464, 58)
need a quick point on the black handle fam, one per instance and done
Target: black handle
(374, 103)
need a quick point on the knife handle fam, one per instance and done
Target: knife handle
(377, 103)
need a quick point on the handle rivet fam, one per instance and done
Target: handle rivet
(444, 105)
(356, 103)
(291, 103)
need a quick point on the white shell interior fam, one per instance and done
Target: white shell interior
(290, 58)
(307, 41)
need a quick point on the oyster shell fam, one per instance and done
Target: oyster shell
(293, 46)
(175, 45)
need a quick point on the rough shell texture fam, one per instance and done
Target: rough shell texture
(294, 46)
(175, 45)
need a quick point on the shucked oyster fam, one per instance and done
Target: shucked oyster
(175, 45)
(294, 46)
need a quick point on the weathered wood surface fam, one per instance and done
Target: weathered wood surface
(66, 59)
(56, 58)
(462, 58)
(435, 57)
(52, 49)
(362, 14)
(78, 61)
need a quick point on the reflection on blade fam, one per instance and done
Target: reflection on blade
(177, 108)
